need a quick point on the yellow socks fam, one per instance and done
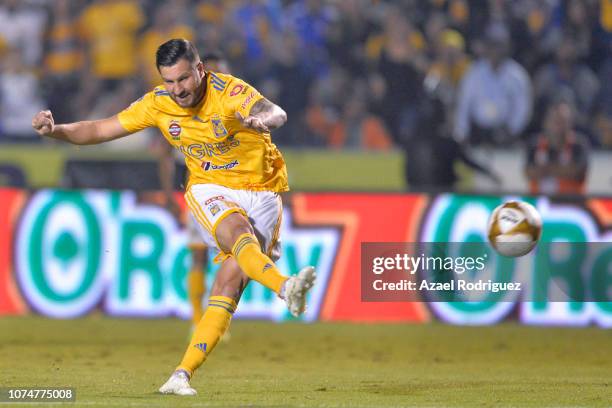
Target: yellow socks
(214, 323)
(196, 289)
(255, 264)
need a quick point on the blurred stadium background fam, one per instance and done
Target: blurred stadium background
(399, 130)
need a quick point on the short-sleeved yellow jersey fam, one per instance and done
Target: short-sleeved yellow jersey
(218, 149)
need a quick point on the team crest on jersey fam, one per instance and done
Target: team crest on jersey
(174, 129)
(214, 209)
(218, 128)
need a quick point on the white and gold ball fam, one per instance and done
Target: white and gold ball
(514, 228)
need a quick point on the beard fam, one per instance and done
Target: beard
(189, 99)
(185, 100)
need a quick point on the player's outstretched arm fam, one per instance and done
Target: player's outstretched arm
(264, 116)
(80, 133)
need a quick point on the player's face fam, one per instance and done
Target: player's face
(183, 81)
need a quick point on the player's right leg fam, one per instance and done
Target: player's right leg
(223, 213)
(225, 294)
(235, 235)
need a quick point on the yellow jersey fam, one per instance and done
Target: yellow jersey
(218, 149)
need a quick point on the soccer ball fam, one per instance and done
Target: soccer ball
(514, 228)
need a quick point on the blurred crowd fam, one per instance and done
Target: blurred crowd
(369, 74)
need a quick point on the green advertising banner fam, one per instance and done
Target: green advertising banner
(65, 254)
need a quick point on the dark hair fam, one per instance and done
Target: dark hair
(173, 50)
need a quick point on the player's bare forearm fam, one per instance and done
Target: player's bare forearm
(264, 116)
(80, 133)
(273, 116)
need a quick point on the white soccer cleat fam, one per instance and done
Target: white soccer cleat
(296, 288)
(178, 384)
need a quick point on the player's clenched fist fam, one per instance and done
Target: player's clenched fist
(253, 122)
(43, 123)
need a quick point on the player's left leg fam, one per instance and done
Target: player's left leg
(225, 294)
(224, 297)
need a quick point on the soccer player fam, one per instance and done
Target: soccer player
(171, 163)
(222, 125)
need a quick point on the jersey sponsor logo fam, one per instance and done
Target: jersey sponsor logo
(175, 130)
(213, 199)
(208, 166)
(218, 128)
(248, 99)
(199, 150)
(236, 90)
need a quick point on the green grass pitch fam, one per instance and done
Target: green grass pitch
(122, 362)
